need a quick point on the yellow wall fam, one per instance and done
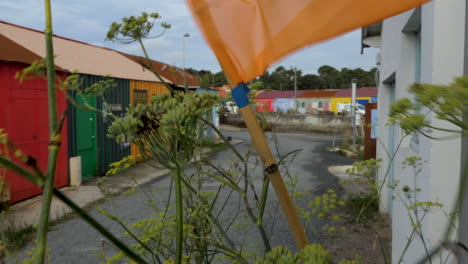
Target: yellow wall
(153, 88)
(343, 100)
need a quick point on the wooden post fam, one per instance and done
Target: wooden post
(271, 168)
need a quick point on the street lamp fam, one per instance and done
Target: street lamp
(186, 35)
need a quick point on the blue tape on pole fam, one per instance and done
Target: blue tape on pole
(240, 95)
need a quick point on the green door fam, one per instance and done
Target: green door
(86, 138)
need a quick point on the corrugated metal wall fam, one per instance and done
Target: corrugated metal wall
(116, 101)
(153, 88)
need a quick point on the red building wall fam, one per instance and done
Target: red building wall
(264, 105)
(24, 116)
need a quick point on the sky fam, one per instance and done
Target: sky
(89, 21)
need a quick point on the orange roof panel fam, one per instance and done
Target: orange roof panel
(173, 74)
(318, 93)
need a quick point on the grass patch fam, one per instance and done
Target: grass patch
(363, 208)
(16, 237)
(214, 146)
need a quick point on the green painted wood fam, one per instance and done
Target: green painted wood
(86, 139)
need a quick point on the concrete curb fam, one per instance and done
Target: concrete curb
(339, 170)
(26, 213)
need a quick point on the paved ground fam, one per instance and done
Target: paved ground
(74, 241)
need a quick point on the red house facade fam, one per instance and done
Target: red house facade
(24, 116)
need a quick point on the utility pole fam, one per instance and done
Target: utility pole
(353, 108)
(295, 89)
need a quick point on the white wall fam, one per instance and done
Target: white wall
(390, 52)
(442, 50)
(448, 60)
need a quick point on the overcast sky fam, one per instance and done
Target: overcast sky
(89, 20)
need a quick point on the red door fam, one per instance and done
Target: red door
(24, 115)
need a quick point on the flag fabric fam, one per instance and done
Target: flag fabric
(249, 35)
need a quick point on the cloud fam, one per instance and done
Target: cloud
(89, 20)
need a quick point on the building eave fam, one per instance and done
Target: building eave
(371, 36)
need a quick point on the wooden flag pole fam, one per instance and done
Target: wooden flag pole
(271, 168)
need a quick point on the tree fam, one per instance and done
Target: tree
(330, 77)
(191, 71)
(208, 79)
(310, 82)
(280, 79)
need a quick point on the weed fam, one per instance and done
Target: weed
(362, 208)
(213, 146)
(360, 140)
(341, 152)
(122, 164)
(15, 237)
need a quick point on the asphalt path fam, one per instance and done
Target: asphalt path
(74, 241)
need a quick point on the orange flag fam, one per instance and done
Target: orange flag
(249, 35)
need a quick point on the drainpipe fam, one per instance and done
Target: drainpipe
(353, 108)
(463, 217)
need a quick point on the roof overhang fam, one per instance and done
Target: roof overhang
(12, 51)
(414, 22)
(371, 36)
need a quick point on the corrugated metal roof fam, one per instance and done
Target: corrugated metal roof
(360, 92)
(223, 91)
(171, 73)
(73, 55)
(318, 93)
(278, 94)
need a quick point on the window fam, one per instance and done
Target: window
(140, 97)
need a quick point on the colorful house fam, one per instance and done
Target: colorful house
(278, 101)
(318, 100)
(264, 105)
(85, 132)
(363, 96)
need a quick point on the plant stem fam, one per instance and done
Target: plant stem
(150, 64)
(54, 145)
(263, 198)
(179, 215)
(101, 229)
(10, 165)
(153, 254)
(449, 227)
(223, 138)
(216, 222)
(250, 212)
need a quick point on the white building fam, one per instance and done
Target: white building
(427, 45)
